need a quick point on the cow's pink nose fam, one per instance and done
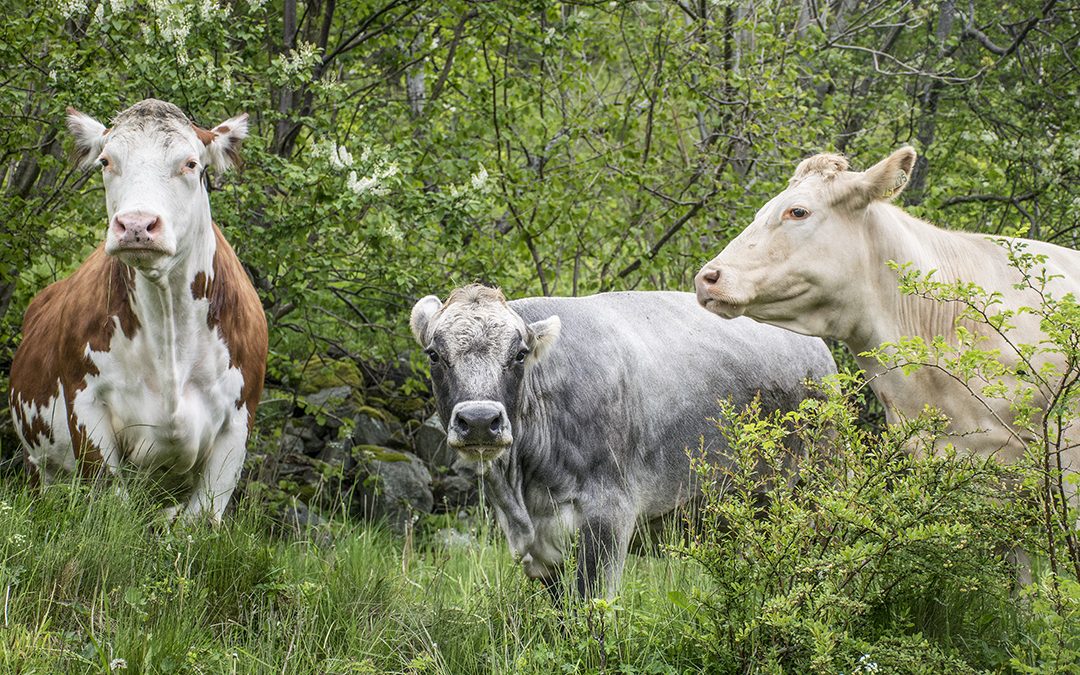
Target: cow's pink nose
(710, 276)
(136, 227)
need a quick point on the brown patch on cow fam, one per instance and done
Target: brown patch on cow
(69, 315)
(476, 294)
(231, 147)
(30, 428)
(206, 137)
(236, 311)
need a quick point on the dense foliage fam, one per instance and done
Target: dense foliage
(401, 147)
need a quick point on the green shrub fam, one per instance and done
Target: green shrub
(855, 551)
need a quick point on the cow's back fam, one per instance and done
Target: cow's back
(636, 376)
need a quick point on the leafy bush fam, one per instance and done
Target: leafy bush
(857, 554)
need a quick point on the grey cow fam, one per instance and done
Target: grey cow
(581, 409)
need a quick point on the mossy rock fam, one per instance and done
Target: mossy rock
(377, 453)
(377, 413)
(323, 373)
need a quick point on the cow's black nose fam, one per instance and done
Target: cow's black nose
(479, 418)
(479, 423)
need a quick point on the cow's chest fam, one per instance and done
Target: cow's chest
(157, 405)
(555, 519)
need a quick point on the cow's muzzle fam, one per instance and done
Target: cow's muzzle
(710, 285)
(136, 236)
(479, 429)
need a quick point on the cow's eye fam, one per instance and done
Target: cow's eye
(797, 213)
(103, 162)
(433, 355)
(520, 356)
(191, 164)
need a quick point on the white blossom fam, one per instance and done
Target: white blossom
(300, 60)
(479, 179)
(393, 232)
(340, 157)
(118, 664)
(373, 184)
(72, 8)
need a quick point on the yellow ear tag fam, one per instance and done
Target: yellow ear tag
(901, 181)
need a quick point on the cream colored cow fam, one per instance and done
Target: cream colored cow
(815, 261)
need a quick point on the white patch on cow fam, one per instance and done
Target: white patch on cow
(47, 455)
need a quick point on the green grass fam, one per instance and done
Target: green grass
(87, 577)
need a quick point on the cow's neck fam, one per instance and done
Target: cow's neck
(168, 313)
(884, 313)
(505, 477)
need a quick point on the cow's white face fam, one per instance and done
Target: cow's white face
(152, 161)
(795, 264)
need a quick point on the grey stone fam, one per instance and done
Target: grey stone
(430, 442)
(290, 444)
(328, 398)
(397, 488)
(453, 492)
(370, 430)
(339, 454)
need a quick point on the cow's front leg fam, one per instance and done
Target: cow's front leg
(602, 547)
(218, 477)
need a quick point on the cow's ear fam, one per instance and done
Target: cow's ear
(420, 319)
(223, 142)
(89, 137)
(888, 178)
(544, 336)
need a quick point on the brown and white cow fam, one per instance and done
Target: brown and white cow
(152, 354)
(815, 261)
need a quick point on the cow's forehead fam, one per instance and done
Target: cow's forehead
(151, 121)
(478, 328)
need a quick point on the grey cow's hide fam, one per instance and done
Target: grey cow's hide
(605, 418)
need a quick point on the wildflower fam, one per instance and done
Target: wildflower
(479, 179)
(117, 664)
(372, 184)
(339, 156)
(72, 8)
(300, 60)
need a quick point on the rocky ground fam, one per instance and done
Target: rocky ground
(337, 450)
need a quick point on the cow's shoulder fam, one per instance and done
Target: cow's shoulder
(236, 311)
(82, 310)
